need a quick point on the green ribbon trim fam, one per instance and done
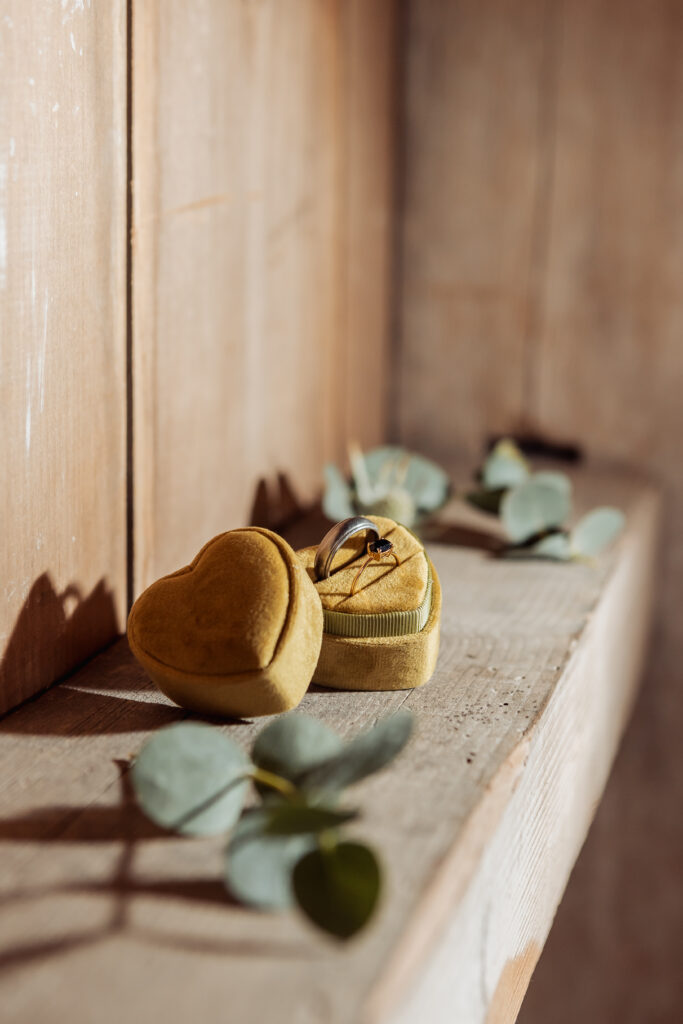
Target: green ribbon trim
(357, 626)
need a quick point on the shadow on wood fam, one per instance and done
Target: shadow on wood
(461, 536)
(68, 624)
(80, 713)
(126, 825)
(279, 509)
(66, 824)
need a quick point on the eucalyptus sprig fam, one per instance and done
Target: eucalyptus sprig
(287, 848)
(387, 481)
(534, 509)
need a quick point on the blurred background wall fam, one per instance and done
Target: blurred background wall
(237, 234)
(541, 288)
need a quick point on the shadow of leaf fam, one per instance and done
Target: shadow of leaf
(25, 956)
(460, 536)
(230, 947)
(80, 824)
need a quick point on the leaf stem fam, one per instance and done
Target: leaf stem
(274, 781)
(327, 840)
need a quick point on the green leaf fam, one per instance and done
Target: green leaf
(367, 753)
(532, 508)
(290, 819)
(559, 480)
(427, 483)
(486, 501)
(361, 483)
(191, 778)
(555, 547)
(293, 743)
(338, 888)
(505, 466)
(258, 865)
(595, 531)
(337, 499)
(396, 504)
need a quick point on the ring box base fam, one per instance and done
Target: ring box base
(379, 662)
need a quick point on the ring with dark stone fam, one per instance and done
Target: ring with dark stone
(335, 538)
(376, 550)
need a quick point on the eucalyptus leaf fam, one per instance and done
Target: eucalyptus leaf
(532, 508)
(559, 480)
(595, 531)
(294, 743)
(486, 501)
(426, 482)
(397, 504)
(191, 778)
(338, 888)
(363, 485)
(367, 753)
(555, 547)
(292, 819)
(505, 466)
(258, 865)
(338, 497)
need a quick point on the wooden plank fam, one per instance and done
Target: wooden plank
(476, 165)
(62, 341)
(602, 363)
(610, 375)
(616, 252)
(483, 964)
(262, 192)
(101, 915)
(370, 88)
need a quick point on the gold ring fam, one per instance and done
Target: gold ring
(375, 551)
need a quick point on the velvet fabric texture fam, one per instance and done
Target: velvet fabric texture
(236, 633)
(239, 632)
(378, 663)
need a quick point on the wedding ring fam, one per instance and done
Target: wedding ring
(376, 549)
(335, 538)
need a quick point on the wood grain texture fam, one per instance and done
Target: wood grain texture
(101, 915)
(370, 90)
(610, 374)
(602, 365)
(480, 971)
(263, 158)
(475, 178)
(62, 337)
(615, 255)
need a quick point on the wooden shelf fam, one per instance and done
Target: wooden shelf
(102, 918)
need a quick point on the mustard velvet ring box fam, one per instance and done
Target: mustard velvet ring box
(236, 633)
(245, 628)
(385, 636)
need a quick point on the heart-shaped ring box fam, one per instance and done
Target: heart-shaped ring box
(244, 629)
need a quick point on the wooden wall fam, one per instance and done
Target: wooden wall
(261, 262)
(542, 261)
(260, 139)
(62, 337)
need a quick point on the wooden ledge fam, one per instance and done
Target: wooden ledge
(102, 918)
